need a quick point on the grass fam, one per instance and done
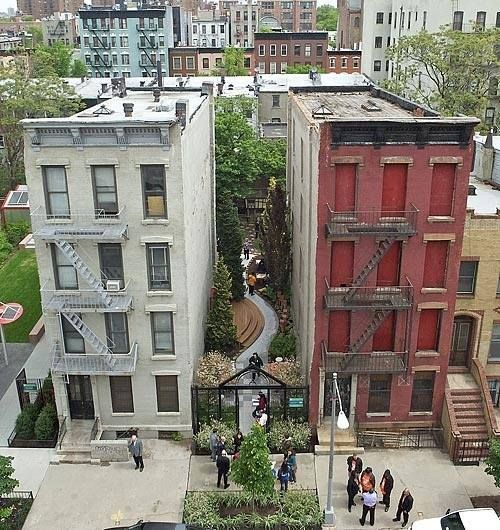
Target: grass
(19, 283)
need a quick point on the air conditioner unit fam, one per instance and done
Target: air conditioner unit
(113, 285)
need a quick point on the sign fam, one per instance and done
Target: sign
(30, 387)
(296, 402)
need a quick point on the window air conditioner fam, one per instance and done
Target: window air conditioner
(113, 285)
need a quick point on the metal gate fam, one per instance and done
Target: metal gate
(470, 452)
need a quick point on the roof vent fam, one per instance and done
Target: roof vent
(472, 190)
(371, 106)
(322, 112)
(165, 105)
(102, 110)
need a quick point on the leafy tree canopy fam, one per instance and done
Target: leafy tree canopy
(36, 33)
(78, 68)
(448, 70)
(493, 461)
(326, 18)
(302, 69)
(271, 159)
(52, 61)
(233, 62)
(7, 483)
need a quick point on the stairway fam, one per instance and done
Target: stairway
(78, 263)
(372, 327)
(90, 337)
(345, 441)
(469, 412)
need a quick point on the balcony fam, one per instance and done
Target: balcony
(94, 364)
(376, 223)
(75, 225)
(85, 301)
(364, 363)
(368, 298)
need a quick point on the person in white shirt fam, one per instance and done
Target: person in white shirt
(369, 503)
(263, 419)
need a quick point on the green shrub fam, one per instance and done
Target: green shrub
(214, 368)
(25, 422)
(299, 431)
(202, 439)
(283, 345)
(176, 436)
(16, 232)
(5, 247)
(46, 423)
(48, 390)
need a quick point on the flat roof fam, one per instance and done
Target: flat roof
(486, 201)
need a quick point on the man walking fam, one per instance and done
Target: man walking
(404, 507)
(222, 469)
(255, 362)
(251, 281)
(213, 442)
(369, 503)
(246, 250)
(135, 448)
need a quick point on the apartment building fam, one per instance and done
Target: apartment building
(344, 61)
(275, 51)
(126, 43)
(123, 218)
(290, 15)
(39, 9)
(377, 188)
(239, 14)
(61, 27)
(349, 25)
(209, 28)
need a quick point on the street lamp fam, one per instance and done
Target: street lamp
(342, 424)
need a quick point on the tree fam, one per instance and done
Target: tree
(7, 483)
(23, 98)
(239, 104)
(233, 62)
(221, 332)
(230, 238)
(78, 69)
(271, 159)
(493, 461)
(252, 470)
(276, 238)
(55, 60)
(448, 70)
(302, 69)
(326, 18)
(36, 34)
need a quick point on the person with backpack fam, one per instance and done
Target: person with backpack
(291, 458)
(284, 476)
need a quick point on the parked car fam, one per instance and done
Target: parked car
(474, 519)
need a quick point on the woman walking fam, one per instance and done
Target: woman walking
(284, 476)
(237, 441)
(352, 489)
(292, 465)
(386, 485)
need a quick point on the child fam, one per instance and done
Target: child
(284, 476)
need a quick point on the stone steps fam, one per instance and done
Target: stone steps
(339, 450)
(469, 412)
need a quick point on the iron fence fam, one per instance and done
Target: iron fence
(413, 438)
(17, 495)
(470, 452)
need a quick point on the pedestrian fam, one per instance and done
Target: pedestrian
(292, 465)
(404, 507)
(221, 446)
(246, 250)
(354, 463)
(286, 445)
(135, 447)
(369, 504)
(223, 465)
(386, 485)
(367, 480)
(257, 228)
(284, 476)
(237, 441)
(263, 419)
(262, 401)
(213, 442)
(251, 281)
(352, 489)
(255, 362)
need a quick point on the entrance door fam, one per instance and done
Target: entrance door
(461, 341)
(81, 403)
(344, 384)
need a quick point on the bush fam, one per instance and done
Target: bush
(202, 438)
(46, 423)
(176, 436)
(300, 433)
(283, 345)
(25, 422)
(48, 390)
(214, 368)
(5, 247)
(287, 371)
(16, 232)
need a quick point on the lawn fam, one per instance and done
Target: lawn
(19, 283)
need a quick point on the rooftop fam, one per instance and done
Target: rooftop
(486, 201)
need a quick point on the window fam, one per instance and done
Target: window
(125, 58)
(296, 49)
(73, 341)
(343, 62)
(121, 393)
(272, 50)
(111, 262)
(262, 68)
(162, 331)
(332, 62)
(458, 20)
(395, 19)
(86, 42)
(422, 392)
(497, 22)
(124, 41)
(442, 189)
(167, 395)
(356, 22)
(218, 61)
(409, 19)
(389, 19)
(276, 100)
(141, 23)
(195, 30)
(88, 60)
(429, 325)
(284, 66)
(64, 273)
(105, 196)
(498, 286)
(117, 332)
(388, 41)
(176, 61)
(319, 50)
(467, 277)
(378, 42)
(190, 63)
(307, 50)
(377, 66)
(380, 18)
(489, 115)
(203, 29)
(436, 260)
(246, 62)
(114, 59)
(123, 23)
(262, 50)
(56, 191)
(387, 65)
(212, 28)
(379, 394)
(480, 20)
(113, 42)
(205, 63)
(493, 86)
(160, 23)
(158, 256)
(142, 41)
(272, 68)
(494, 352)
(284, 49)
(424, 20)
(154, 191)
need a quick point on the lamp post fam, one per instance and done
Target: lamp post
(342, 424)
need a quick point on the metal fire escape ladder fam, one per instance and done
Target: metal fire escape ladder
(59, 29)
(97, 50)
(84, 271)
(90, 337)
(151, 46)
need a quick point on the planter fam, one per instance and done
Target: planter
(15, 441)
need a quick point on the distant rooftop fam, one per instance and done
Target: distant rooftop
(486, 200)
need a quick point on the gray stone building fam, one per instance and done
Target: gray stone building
(60, 27)
(123, 220)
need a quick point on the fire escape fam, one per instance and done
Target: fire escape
(379, 301)
(101, 296)
(100, 43)
(148, 55)
(58, 32)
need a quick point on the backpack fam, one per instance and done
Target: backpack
(283, 475)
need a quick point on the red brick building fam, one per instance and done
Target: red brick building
(275, 51)
(378, 190)
(344, 61)
(183, 61)
(291, 15)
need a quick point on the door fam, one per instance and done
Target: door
(461, 341)
(345, 187)
(81, 403)
(394, 187)
(344, 384)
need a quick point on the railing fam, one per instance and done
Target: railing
(62, 432)
(94, 364)
(379, 297)
(84, 300)
(364, 362)
(95, 429)
(478, 373)
(470, 452)
(17, 495)
(413, 438)
(397, 223)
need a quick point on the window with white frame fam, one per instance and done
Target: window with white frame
(154, 191)
(162, 333)
(167, 393)
(284, 49)
(262, 50)
(158, 258)
(56, 191)
(494, 352)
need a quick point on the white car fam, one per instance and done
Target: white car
(474, 519)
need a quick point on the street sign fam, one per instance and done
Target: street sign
(30, 387)
(296, 402)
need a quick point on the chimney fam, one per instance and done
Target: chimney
(488, 157)
(156, 94)
(104, 87)
(207, 89)
(159, 74)
(128, 109)
(142, 83)
(181, 109)
(220, 86)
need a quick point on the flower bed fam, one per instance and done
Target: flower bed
(20, 509)
(235, 511)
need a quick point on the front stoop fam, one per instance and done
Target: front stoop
(345, 441)
(469, 412)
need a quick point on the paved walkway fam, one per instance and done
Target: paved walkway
(17, 354)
